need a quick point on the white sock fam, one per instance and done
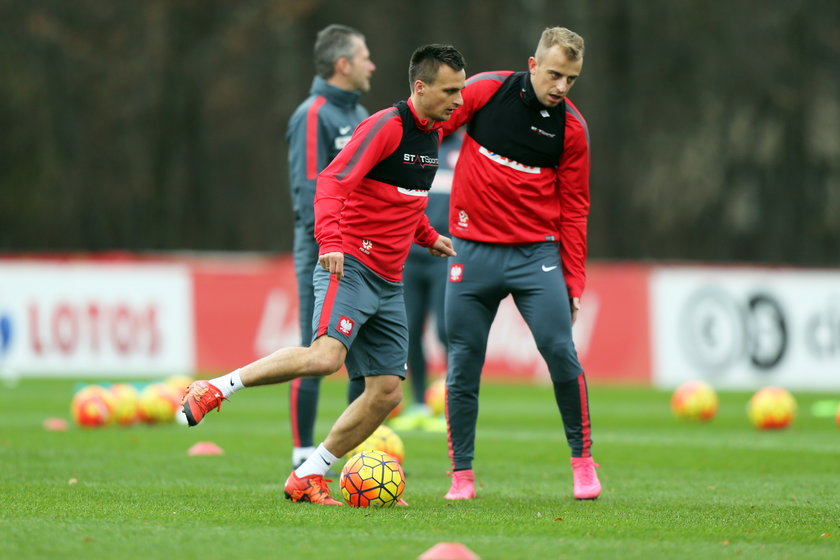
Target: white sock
(317, 463)
(228, 384)
(301, 454)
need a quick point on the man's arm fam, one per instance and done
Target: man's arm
(480, 88)
(424, 234)
(573, 182)
(427, 236)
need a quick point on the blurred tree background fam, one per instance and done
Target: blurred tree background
(159, 125)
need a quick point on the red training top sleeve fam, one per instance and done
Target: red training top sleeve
(425, 235)
(573, 182)
(480, 88)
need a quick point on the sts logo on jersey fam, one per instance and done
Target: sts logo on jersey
(366, 247)
(345, 325)
(456, 273)
(421, 160)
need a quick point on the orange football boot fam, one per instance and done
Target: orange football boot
(200, 398)
(312, 489)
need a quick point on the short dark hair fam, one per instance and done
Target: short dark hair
(333, 42)
(426, 60)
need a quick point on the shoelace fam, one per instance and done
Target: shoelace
(321, 485)
(219, 406)
(200, 399)
(219, 399)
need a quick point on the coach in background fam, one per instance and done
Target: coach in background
(318, 129)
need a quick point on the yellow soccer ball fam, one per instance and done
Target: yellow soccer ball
(372, 479)
(436, 396)
(158, 403)
(695, 400)
(384, 440)
(124, 397)
(771, 408)
(91, 407)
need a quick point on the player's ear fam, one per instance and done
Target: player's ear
(532, 65)
(419, 87)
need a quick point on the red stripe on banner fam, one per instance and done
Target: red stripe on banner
(326, 309)
(294, 395)
(584, 417)
(312, 138)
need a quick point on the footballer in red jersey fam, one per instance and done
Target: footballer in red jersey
(518, 215)
(369, 205)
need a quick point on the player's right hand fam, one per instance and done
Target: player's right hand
(442, 247)
(333, 262)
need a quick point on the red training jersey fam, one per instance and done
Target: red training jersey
(373, 221)
(496, 199)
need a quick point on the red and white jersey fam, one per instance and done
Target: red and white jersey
(373, 220)
(530, 182)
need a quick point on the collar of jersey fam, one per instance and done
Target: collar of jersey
(333, 94)
(422, 123)
(528, 96)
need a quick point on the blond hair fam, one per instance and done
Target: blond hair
(568, 40)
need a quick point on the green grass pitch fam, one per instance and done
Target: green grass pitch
(672, 489)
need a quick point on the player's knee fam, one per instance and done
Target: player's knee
(467, 350)
(325, 359)
(386, 392)
(322, 366)
(561, 358)
(556, 346)
(394, 398)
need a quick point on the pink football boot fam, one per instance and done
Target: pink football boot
(587, 486)
(463, 486)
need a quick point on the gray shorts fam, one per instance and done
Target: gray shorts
(367, 314)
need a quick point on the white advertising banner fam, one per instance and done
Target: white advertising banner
(95, 319)
(745, 328)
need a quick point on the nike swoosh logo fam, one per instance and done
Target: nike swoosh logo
(548, 268)
(344, 130)
(325, 461)
(231, 382)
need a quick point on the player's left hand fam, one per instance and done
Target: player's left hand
(575, 305)
(442, 247)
